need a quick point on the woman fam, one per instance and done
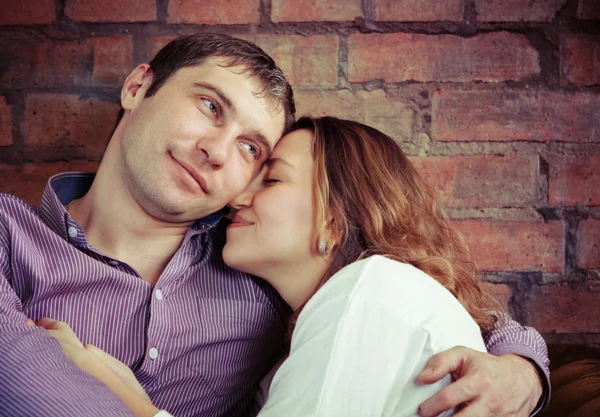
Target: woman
(341, 224)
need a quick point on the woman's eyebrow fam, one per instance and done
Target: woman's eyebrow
(273, 161)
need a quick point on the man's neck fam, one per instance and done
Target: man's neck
(116, 225)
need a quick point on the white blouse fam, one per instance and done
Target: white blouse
(361, 341)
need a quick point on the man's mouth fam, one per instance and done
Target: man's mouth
(191, 174)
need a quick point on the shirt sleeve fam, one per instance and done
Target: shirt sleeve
(36, 379)
(509, 336)
(354, 358)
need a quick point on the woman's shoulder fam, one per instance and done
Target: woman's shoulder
(403, 290)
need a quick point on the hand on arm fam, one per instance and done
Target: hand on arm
(484, 379)
(487, 386)
(101, 366)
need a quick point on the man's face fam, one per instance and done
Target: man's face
(198, 142)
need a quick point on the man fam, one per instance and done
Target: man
(122, 258)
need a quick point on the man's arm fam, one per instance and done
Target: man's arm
(36, 379)
(515, 381)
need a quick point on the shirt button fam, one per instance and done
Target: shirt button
(158, 294)
(72, 231)
(153, 353)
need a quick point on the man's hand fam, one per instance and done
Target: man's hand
(485, 385)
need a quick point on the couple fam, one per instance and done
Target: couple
(337, 222)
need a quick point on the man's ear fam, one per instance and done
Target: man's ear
(135, 86)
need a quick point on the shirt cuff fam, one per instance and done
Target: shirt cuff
(530, 354)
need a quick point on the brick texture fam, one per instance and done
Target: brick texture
(515, 246)
(66, 121)
(26, 12)
(517, 10)
(214, 12)
(580, 60)
(62, 62)
(515, 115)
(574, 181)
(588, 244)
(418, 10)
(5, 123)
(588, 9)
(29, 180)
(111, 10)
(482, 181)
(315, 10)
(393, 117)
(305, 60)
(564, 310)
(112, 59)
(493, 57)
(501, 292)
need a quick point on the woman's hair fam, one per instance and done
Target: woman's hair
(369, 194)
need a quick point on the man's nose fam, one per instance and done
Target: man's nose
(218, 146)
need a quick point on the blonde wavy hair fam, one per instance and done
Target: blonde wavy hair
(370, 195)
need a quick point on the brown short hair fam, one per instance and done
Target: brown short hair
(191, 50)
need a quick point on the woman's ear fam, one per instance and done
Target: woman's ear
(135, 86)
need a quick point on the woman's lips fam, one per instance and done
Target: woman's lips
(239, 221)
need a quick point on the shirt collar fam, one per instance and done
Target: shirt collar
(66, 187)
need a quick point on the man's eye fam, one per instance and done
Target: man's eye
(251, 149)
(214, 109)
(270, 180)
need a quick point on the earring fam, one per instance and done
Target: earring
(323, 247)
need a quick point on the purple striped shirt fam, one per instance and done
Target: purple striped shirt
(199, 341)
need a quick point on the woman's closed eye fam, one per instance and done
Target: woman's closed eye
(270, 180)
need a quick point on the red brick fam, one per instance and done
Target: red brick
(501, 292)
(397, 57)
(482, 181)
(5, 123)
(214, 12)
(588, 244)
(66, 121)
(574, 181)
(305, 60)
(588, 10)
(517, 10)
(111, 10)
(315, 11)
(418, 10)
(62, 62)
(18, 63)
(563, 310)
(392, 116)
(27, 181)
(515, 115)
(580, 60)
(26, 12)
(156, 43)
(113, 60)
(515, 246)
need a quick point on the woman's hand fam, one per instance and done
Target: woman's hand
(62, 332)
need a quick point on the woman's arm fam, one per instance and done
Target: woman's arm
(90, 363)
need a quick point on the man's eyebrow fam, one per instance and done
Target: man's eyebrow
(265, 144)
(218, 92)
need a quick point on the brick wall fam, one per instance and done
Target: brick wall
(496, 101)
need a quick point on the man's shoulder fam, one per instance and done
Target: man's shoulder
(11, 206)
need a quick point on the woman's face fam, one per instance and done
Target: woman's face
(274, 229)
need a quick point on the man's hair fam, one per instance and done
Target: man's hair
(193, 50)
